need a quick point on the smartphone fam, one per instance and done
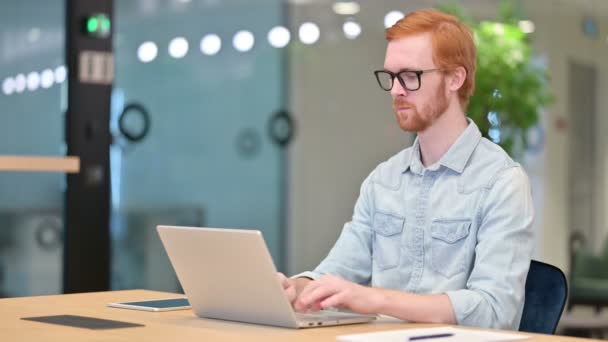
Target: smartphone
(167, 304)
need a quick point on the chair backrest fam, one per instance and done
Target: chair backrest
(546, 293)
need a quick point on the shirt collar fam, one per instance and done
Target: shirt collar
(457, 156)
(414, 162)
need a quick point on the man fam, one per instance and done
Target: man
(441, 232)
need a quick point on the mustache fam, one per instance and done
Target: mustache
(402, 103)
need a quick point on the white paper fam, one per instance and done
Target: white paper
(459, 334)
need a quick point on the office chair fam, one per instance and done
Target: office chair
(546, 293)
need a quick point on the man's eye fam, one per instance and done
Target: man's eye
(410, 76)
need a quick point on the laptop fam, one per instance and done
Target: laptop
(228, 274)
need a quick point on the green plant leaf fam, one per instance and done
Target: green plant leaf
(506, 81)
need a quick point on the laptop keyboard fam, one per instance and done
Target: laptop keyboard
(325, 316)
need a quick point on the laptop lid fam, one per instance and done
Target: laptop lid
(227, 274)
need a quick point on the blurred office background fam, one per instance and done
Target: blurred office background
(265, 114)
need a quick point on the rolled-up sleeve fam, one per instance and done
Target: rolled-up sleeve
(351, 256)
(494, 295)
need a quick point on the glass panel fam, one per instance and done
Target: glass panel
(207, 159)
(31, 204)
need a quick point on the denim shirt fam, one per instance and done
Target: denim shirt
(462, 227)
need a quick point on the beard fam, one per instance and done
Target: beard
(418, 121)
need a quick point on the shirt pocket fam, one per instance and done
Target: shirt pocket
(388, 229)
(448, 248)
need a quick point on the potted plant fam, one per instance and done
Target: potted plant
(510, 91)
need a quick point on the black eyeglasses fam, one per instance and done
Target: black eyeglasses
(409, 79)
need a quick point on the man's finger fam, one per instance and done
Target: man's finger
(311, 286)
(303, 306)
(317, 295)
(316, 306)
(284, 280)
(336, 300)
(291, 293)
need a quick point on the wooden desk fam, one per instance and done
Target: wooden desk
(160, 326)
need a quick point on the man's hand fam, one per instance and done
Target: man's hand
(331, 291)
(289, 286)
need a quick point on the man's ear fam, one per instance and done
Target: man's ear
(457, 78)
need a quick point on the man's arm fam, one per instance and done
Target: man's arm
(330, 291)
(494, 294)
(432, 308)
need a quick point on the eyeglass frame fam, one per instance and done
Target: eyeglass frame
(397, 75)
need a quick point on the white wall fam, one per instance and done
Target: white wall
(345, 128)
(559, 38)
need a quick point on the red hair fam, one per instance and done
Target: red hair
(452, 42)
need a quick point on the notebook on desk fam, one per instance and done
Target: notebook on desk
(439, 334)
(229, 274)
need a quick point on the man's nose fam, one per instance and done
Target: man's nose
(397, 89)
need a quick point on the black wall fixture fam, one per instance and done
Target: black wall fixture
(90, 64)
(137, 112)
(281, 128)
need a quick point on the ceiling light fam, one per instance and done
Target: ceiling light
(60, 74)
(279, 37)
(33, 81)
(351, 29)
(178, 47)
(211, 44)
(309, 33)
(20, 83)
(243, 41)
(346, 7)
(392, 17)
(147, 52)
(8, 86)
(46, 78)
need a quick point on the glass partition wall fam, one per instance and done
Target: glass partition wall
(31, 111)
(198, 87)
(199, 133)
